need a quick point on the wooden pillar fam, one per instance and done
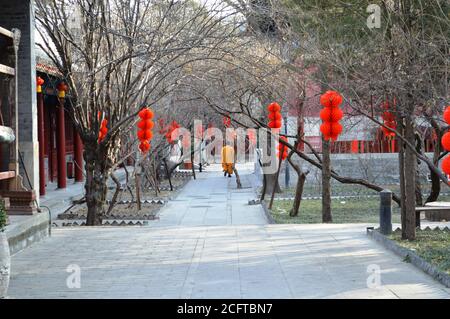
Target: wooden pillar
(78, 155)
(41, 138)
(61, 146)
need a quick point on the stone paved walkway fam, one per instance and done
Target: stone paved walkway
(210, 244)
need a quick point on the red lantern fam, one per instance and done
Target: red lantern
(331, 99)
(275, 116)
(144, 146)
(325, 114)
(39, 83)
(336, 115)
(103, 131)
(62, 86)
(62, 89)
(325, 128)
(146, 114)
(275, 124)
(446, 141)
(146, 124)
(447, 115)
(446, 165)
(283, 151)
(336, 129)
(141, 135)
(274, 107)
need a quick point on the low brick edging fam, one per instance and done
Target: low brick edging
(415, 259)
(269, 216)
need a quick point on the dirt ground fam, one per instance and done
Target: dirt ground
(126, 205)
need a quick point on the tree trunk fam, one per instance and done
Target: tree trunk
(238, 178)
(192, 163)
(276, 179)
(138, 189)
(326, 182)
(96, 190)
(264, 188)
(419, 196)
(298, 195)
(169, 177)
(401, 162)
(409, 232)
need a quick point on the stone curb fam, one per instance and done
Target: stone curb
(338, 197)
(416, 260)
(267, 213)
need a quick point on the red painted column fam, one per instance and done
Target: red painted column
(61, 146)
(78, 155)
(41, 137)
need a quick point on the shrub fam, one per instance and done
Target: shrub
(2, 215)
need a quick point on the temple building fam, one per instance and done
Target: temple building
(39, 147)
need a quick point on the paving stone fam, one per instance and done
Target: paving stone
(226, 250)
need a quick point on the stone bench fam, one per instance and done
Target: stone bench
(435, 211)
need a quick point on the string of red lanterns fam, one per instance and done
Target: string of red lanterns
(331, 115)
(275, 117)
(446, 143)
(145, 126)
(282, 152)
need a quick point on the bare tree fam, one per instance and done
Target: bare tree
(118, 57)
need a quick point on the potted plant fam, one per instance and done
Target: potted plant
(5, 259)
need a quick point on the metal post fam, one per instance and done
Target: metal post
(386, 212)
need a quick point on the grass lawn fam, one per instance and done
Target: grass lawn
(345, 190)
(431, 245)
(361, 210)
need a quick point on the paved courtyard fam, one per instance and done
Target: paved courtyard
(210, 244)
